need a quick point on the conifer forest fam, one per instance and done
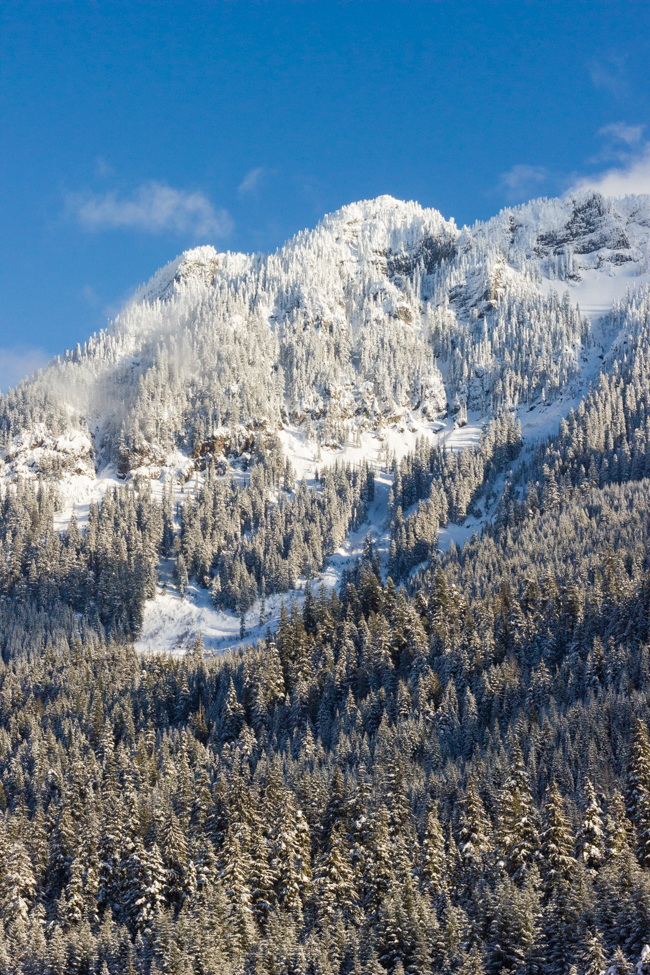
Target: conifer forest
(439, 764)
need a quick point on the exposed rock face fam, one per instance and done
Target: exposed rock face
(592, 226)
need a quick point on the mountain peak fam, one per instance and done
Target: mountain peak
(384, 313)
(197, 265)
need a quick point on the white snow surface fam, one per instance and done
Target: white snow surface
(597, 290)
(33, 451)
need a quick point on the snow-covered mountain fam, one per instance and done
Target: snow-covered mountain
(386, 315)
(436, 757)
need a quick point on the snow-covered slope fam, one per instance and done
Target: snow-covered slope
(384, 323)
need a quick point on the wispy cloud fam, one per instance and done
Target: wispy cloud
(154, 208)
(18, 362)
(522, 180)
(103, 168)
(631, 135)
(609, 73)
(250, 181)
(90, 295)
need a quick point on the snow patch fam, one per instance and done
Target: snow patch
(37, 453)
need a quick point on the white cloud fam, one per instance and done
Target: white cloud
(154, 208)
(522, 180)
(90, 295)
(622, 132)
(625, 163)
(18, 362)
(250, 181)
(632, 176)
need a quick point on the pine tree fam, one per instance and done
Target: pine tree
(471, 963)
(233, 715)
(638, 773)
(593, 955)
(638, 789)
(518, 835)
(334, 885)
(74, 901)
(618, 828)
(557, 842)
(261, 878)
(180, 574)
(18, 885)
(379, 873)
(291, 857)
(173, 848)
(513, 926)
(151, 897)
(433, 859)
(474, 834)
(590, 837)
(618, 963)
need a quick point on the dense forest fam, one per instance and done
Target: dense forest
(393, 781)
(450, 777)
(451, 485)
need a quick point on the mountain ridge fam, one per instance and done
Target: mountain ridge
(385, 312)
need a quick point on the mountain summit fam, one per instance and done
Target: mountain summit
(384, 314)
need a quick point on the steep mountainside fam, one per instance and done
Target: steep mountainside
(385, 314)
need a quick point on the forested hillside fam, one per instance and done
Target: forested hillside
(440, 765)
(449, 777)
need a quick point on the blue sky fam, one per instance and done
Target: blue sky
(131, 131)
